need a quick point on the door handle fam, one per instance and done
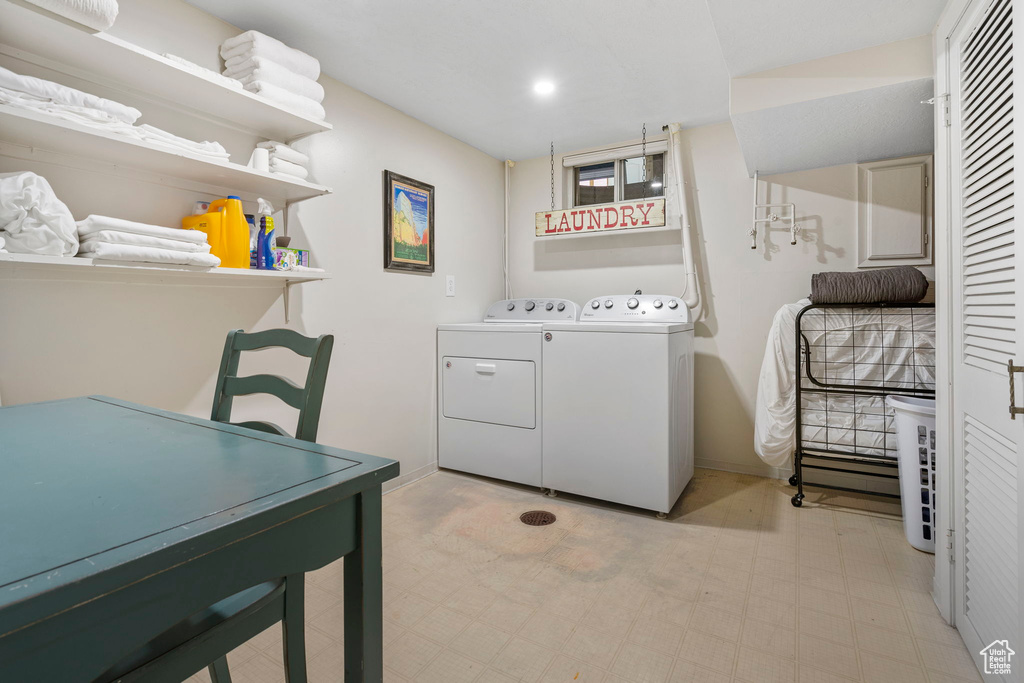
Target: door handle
(491, 368)
(1011, 369)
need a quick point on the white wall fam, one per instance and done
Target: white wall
(159, 343)
(742, 288)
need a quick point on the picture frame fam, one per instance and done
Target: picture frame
(408, 224)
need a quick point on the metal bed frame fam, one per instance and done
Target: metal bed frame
(871, 464)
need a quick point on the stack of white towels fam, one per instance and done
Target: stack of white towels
(269, 68)
(286, 160)
(115, 239)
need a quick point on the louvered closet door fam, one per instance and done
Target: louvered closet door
(986, 335)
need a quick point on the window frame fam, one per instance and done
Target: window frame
(618, 154)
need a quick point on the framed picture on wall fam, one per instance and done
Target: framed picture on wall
(408, 224)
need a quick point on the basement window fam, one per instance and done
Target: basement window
(616, 174)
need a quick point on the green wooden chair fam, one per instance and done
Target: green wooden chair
(210, 634)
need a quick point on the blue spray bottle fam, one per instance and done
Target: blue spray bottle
(265, 239)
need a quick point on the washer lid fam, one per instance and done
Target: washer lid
(630, 327)
(490, 327)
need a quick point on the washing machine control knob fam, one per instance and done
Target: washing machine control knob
(561, 307)
(657, 303)
(549, 306)
(511, 306)
(608, 303)
(632, 303)
(530, 305)
(673, 304)
(595, 304)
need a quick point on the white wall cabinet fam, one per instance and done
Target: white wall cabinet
(894, 212)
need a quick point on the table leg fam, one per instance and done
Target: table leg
(364, 601)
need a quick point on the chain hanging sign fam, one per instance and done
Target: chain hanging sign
(645, 213)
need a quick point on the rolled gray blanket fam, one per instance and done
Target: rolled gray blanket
(901, 284)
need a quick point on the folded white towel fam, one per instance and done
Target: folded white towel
(256, 44)
(162, 137)
(288, 168)
(32, 219)
(128, 252)
(60, 94)
(279, 150)
(96, 14)
(117, 237)
(297, 103)
(262, 69)
(93, 224)
(203, 71)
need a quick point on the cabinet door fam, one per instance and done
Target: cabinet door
(894, 212)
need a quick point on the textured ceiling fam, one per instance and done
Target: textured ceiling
(760, 35)
(467, 67)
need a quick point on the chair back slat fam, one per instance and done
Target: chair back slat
(289, 339)
(283, 388)
(307, 399)
(259, 425)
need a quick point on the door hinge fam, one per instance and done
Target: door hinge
(927, 181)
(949, 545)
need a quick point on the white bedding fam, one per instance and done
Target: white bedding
(56, 93)
(96, 14)
(846, 347)
(128, 252)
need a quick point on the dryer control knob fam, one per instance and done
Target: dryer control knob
(595, 304)
(530, 305)
(549, 306)
(561, 307)
(673, 304)
(657, 303)
(511, 306)
(632, 303)
(608, 303)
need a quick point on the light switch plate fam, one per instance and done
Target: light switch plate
(449, 285)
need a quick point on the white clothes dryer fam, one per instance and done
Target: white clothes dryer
(489, 378)
(618, 402)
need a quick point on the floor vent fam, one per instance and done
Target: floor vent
(537, 518)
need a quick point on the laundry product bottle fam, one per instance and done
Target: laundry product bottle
(212, 223)
(235, 233)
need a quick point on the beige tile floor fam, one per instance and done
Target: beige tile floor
(737, 585)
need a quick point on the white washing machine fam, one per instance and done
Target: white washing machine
(618, 402)
(489, 389)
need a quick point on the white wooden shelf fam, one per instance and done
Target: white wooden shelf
(39, 37)
(31, 131)
(75, 268)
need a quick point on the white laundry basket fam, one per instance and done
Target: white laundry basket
(915, 444)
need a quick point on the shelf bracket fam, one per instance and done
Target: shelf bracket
(287, 291)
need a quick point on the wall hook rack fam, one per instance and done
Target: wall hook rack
(787, 216)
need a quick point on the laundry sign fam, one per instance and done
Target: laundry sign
(644, 213)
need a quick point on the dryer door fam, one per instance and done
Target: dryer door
(495, 391)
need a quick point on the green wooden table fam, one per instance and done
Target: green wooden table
(118, 520)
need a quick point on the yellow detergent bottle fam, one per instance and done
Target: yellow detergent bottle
(212, 223)
(234, 233)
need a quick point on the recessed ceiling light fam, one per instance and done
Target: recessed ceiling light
(543, 87)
